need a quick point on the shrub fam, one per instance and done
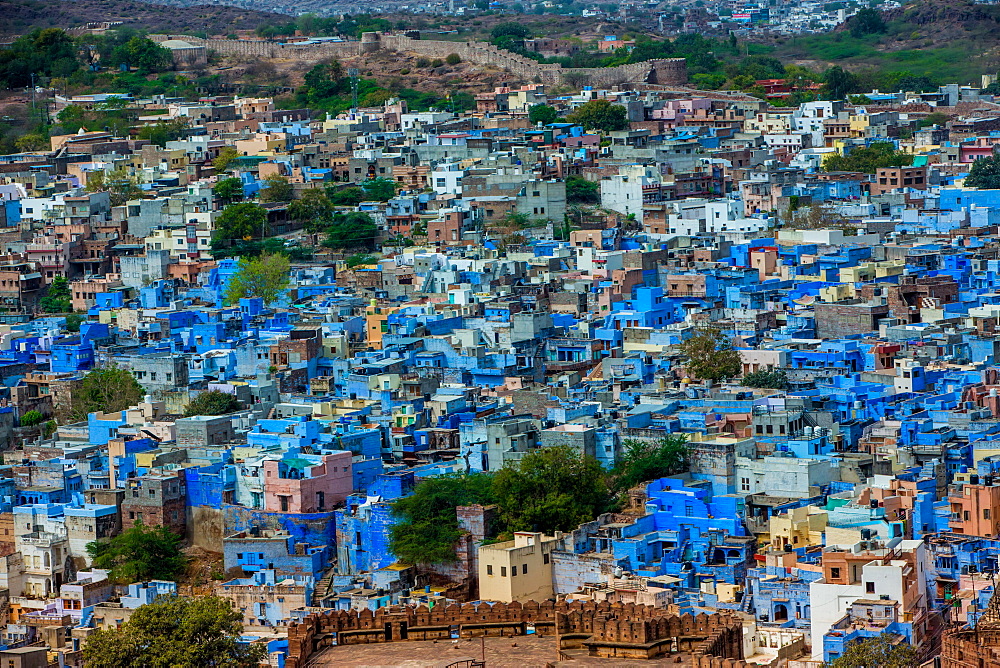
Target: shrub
(405, 70)
(423, 62)
(436, 62)
(31, 418)
(453, 59)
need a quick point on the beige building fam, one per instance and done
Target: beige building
(519, 569)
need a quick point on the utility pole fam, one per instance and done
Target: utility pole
(33, 94)
(353, 73)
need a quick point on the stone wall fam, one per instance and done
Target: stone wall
(967, 648)
(606, 629)
(668, 71)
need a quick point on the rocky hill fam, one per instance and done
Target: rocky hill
(20, 16)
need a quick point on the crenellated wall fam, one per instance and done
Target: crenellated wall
(668, 71)
(605, 629)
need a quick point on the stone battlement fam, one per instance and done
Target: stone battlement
(665, 71)
(605, 629)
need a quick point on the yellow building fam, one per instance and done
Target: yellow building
(799, 527)
(377, 323)
(519, 569)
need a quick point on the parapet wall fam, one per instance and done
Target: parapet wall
(606, 629)
(667, 71)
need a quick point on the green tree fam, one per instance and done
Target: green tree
(882, 651)
(867, 21)
(121, 184)
(346, 196)
(867, 159)
(242, 221)
(643, 461)
(73, 321)
(510, 29)
(710, 355)
(228, 190)
(359, 259)
(427, 529)
(351, 230)
(57, 298)
(313, 209)
(773, 379)
(161, 133)
(108, 389)
(379, 189)
(225, 158)
(176, 632)
(33, 141)
(265, 277)
(453, 59)
(213, 402)
(139, 554)
(581, 191)
(32, 418)
(984, 173)
(42, 52)
(550, 489)
(542, 113)
(600, 115)
(276, 189)
(839, 83)
(143, 54)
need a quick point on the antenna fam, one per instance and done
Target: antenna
(353, 73)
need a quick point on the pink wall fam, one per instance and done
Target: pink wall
(333, 477)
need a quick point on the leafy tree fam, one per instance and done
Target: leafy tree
(600, 115)
(120, 183)
(33, 141)
(839, 83)
(550, 489)
(276, 189)
(176, 631)
(774, 379)
(57, 298)
(709, 355)
(143, 54)
(351, 230)
(580, 190)
(109, 389)
(313, 208)
(345, 197)
(73, 321)
(379, 189)
(868, 159)
(265, 277)
(542, 113)
(140, 554)
(228, 189)
(161, 133)
(984, 173)
(428, 527)
(935, 118)
(510, 29)
(225, 158)
(645, 460)
(31, 418)
(879, 651)
(245, 220)
(214, 402)
(325, 79)
(359, 259)
(867, 21)
(42, 52)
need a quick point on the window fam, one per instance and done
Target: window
(834, 573)
(489, 569)
(745, 484)
(545, 558)
(513, 571)
(503, 571)
(965, 515)
(869, 587)
(524, 569)
(986, 513)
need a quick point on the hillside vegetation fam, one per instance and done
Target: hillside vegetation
(943, 40)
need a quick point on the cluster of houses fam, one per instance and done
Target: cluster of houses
(858, 495)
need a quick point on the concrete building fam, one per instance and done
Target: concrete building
(519, 569)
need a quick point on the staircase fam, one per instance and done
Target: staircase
(322, 589)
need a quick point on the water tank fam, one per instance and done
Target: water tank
(807, 431)
(993, 391)
(973, 479)
(858, 405)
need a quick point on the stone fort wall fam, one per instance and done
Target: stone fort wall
(666, 71)
(605, 629)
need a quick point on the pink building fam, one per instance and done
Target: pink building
(307, 483)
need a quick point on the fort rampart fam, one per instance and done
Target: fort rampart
(668, 71)
(605, 629)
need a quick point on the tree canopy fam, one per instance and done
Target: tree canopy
(643, 461)
(214, 402)
(379, 189)
(139, 554)
(867, 21)
(57, 298)
(877, 652)
(550, 489)
(228, 190)
(121, 184)
(276, 189)
(581, 191)
(774, 379)
(351, 230)
(867, 159)
(984, 173)
(143, 54)
(265, 276)
(600, 115)
(108, 389)
(313, 209)
(175, 632)
(427, 530)
(43, 52)
(237, 222)
(710, 355)
(542, 113)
